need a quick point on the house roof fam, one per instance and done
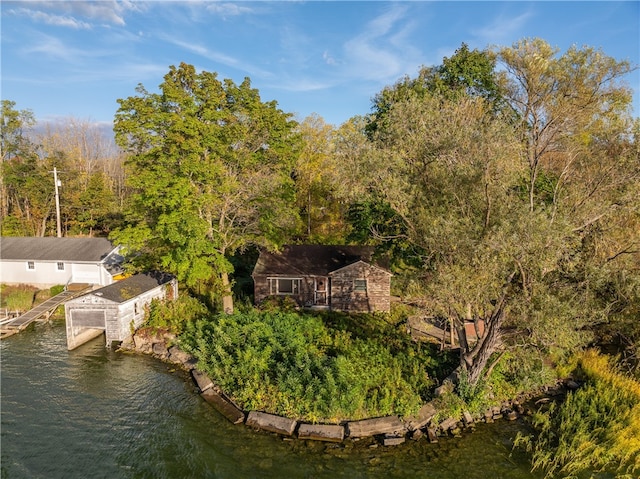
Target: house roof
(88, 250)
(126, 289)
(312, 260)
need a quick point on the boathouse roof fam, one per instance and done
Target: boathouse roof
(126, 289)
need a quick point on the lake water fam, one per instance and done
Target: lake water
(96, 413)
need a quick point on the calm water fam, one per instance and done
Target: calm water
(93, 413)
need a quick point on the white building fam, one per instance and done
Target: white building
(50, 261)
(117, 309)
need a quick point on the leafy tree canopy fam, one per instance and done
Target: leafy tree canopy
(210, 167)
(467, 73)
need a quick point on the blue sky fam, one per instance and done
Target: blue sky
(76, 58)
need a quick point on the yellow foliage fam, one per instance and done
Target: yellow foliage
(597, 427)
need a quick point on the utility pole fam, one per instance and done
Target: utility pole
(57, 183)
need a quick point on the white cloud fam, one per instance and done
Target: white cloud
(51, 19)
(502, 28)
(301, 85)
(218, 57)
(228, 9)
(52, 48)
(204, 52)
(105, 11)
(328, 58)
(382, 52)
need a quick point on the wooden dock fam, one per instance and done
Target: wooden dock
(11, 326)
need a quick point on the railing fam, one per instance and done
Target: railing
(7, 316)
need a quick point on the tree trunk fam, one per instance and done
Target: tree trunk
(227, 297)
(474, 359)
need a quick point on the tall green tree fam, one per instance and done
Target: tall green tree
(14, 124)
(94, 205)
(582, 168)
(467, 73)
(210, 165)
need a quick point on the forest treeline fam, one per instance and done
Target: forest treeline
(503, 184)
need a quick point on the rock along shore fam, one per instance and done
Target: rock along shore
(389, 430)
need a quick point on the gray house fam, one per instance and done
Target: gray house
(117, 309)
(343, 278)
(49, 261)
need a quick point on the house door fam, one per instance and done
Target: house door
(320, 294)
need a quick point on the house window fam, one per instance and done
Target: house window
(360, 285)
(284, 285)
(60, 266)
(31, 265)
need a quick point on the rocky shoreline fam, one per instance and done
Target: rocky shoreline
(388, 431)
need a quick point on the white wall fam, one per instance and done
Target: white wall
(86, 273)
(45, 274)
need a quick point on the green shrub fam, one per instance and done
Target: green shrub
(295, 365)
(518, 371)
(174, 315)
(278, 303)
(55, 290)
(449, 405)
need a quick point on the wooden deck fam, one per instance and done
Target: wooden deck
(424, 329)
(12, 326)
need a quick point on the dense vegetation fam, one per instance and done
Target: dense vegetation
(597, 428)
(21, 298)
(317, 367)
(503, 185)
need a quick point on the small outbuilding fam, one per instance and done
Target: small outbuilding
(117, 309)
(341, 278)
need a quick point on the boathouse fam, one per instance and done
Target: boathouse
(341, 278)
(116, 310)
(48, 261)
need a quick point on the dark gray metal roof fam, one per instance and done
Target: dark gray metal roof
(312, 260)
(90, 250)
(126, 289)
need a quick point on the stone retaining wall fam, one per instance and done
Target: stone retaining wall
(392, 430)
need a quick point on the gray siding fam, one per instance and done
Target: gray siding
(375, 297)
(118, 319)
(341, 293)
